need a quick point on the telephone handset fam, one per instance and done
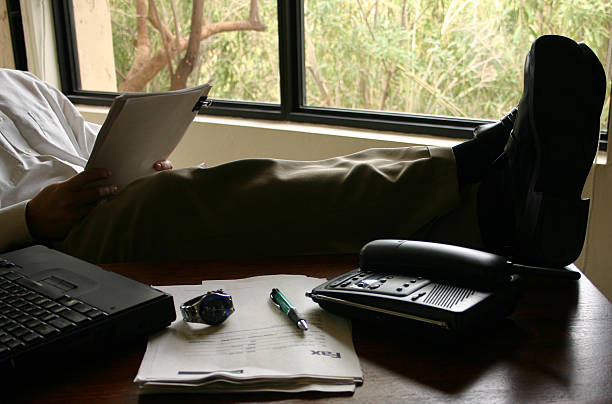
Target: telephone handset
(449, 262)
(448, 286)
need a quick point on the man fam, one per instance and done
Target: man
(44, 140)
(513, 189)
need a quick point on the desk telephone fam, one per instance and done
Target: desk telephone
(448, 286)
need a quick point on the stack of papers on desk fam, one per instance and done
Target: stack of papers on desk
(255, 349)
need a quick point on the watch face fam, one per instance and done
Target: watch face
(215, 308)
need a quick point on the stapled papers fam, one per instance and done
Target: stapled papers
(141, 129)
(257, 348)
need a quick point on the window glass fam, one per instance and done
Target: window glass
(127, 45)
(456, 58)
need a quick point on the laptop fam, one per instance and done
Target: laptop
(51, 303)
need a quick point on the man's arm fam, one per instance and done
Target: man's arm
(15, 233)
(52, 213)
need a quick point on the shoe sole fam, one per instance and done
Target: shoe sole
(565, 139)
(558, 113)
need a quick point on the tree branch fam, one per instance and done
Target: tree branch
(148, 68)
(185, 67)
(385, 95)
(314, 70)
(156, 22)
(142, 45)
(227, 26)
(177, 28)
(165, 33)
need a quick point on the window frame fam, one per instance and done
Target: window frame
(292, 86)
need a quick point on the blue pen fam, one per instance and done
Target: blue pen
(286, 307)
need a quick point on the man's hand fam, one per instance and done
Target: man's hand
(53, 212)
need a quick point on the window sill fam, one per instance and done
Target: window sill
(240, 138)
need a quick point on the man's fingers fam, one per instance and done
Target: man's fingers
(82, 211)
(58, 207)
(86, 177)
(88, 196)
(76, 193)
(162, 165)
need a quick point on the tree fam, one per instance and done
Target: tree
(147, 63)
(443, 57)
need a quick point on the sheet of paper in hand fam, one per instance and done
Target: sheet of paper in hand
(142, 128)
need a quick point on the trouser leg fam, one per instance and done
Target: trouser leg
(274, 207)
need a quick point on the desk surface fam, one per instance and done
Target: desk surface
(555, 347)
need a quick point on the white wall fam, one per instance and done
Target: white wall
(596, 258)
(97, 63)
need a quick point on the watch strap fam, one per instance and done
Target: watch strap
(189, 310)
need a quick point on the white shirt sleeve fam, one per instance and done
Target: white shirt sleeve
(43, 140)
(15, 233)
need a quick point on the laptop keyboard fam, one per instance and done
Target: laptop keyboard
(28, 317)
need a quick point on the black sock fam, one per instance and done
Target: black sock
(472, 160)
(474, 157)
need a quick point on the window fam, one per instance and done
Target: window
(437, 67)
(445, 58)
(161, 45)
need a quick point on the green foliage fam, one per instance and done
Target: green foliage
(243, 65)
(442, 57)
(124, 33)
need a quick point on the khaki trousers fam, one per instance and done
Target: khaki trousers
(257, 207)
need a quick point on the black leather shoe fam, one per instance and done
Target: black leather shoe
(531, 205)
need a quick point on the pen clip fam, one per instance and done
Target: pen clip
(203, 102)
(272, 293)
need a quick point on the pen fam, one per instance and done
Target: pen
(286, 307)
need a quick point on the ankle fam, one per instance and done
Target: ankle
(475, 157)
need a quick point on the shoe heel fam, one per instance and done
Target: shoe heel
(556, 235)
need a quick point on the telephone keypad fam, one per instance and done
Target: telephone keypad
(380, 283)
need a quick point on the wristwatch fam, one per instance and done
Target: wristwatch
(211, 308)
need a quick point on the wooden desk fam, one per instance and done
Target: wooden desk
(556, 347)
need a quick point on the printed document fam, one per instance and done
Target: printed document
(257, 348)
